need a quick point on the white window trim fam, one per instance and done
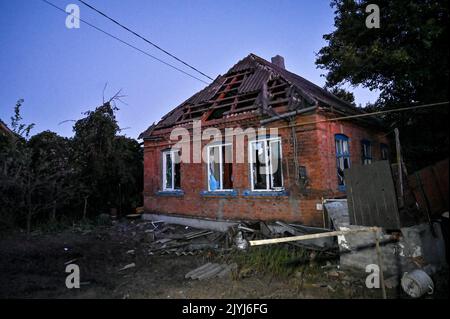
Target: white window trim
(269, 175)
(220, 146)
(367, 152)
(172, 156)
(343, 155)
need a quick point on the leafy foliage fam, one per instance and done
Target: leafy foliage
(343, 95)
(109, 166)
(406, 59)
(49, 177)
(19, 128)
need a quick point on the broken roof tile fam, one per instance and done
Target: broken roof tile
(240, 90)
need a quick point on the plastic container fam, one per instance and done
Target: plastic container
(417, 283)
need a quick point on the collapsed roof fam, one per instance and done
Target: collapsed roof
(252, 84)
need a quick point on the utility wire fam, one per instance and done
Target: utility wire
(145, 39)
(128, 44)
(402, 109)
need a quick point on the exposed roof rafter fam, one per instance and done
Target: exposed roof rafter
(252, 84)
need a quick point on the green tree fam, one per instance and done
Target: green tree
(50, 158)
(17, 126)
(406, 59)
(343, 94)
(109, 166)
(47, 176)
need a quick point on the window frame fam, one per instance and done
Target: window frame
(384, 147)
(269, 173)
(172, 153)
(221, 146)
(366, 144)
(342, 138)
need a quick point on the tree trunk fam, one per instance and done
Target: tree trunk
(53, 213)
(29, 222)
(30, 210)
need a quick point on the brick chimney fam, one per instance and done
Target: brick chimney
(278, 60)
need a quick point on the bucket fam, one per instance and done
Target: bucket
(417, 283)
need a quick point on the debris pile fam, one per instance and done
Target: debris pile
(211, 270)
(182, 240)
(245, 232)
(163, 238)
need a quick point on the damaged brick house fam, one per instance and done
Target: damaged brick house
(310, 150)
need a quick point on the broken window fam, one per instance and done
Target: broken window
(384, 152)
(366, 152)
(342, 157)
(220, 167)
(171, 170)
(265, 164)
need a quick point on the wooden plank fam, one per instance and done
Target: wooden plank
(399, 163)
(311, 236)
(351, 204)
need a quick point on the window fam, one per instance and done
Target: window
(366, 152)
(265, 164)
(171, 170)
(220, 167)
(384, 150)
(342, 157)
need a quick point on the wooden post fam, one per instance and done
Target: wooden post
(427, 202)
(380, 263)
(85, 207)
(399, 164)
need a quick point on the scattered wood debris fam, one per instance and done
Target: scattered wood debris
(180, 240)
(211, 270)
(132, 265)
(133, 216)
(70, 261)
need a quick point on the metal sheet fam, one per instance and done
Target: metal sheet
(371, 196)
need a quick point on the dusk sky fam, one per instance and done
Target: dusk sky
(61, 72)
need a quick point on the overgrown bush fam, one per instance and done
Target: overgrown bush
(271, 259)
(46, 179)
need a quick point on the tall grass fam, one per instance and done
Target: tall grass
(272, 259)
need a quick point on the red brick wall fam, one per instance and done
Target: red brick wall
(430, 187)
(356, 133)
(316, 152)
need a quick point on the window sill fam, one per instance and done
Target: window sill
(264, 193)
(230, 193)
(178, 193)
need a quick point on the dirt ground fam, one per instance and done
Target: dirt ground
(34, 267)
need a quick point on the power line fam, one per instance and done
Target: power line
(128, 44)
(402, 109)
(145, 39)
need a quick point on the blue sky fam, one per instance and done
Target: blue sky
(61, 72)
